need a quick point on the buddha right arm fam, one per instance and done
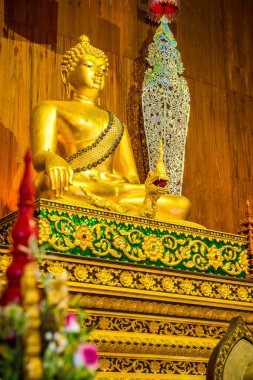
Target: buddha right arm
(43, 132)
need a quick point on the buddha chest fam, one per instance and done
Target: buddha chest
(79, 127)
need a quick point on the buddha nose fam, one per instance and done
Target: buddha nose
(98, 72)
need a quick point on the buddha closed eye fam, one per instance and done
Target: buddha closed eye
(90, 65)
(97, 67)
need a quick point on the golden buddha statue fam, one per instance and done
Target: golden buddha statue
(83, 153)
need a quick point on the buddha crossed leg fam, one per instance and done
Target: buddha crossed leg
(83, 153)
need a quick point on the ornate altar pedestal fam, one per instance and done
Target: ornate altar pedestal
(154, 320)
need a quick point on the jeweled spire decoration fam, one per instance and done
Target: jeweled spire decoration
(166, 105)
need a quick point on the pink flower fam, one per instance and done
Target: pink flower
(72, 325)
(86, 356)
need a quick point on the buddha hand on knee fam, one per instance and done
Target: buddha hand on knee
(59, 172)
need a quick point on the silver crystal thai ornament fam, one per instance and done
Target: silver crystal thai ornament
(166, 105)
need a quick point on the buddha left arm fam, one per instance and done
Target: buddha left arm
(123, 161)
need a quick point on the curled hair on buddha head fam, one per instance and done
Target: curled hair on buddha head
(71, 58)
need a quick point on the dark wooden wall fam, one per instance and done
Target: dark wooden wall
(215, 38)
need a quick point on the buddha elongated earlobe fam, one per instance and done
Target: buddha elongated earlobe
(67, 90)
(64, 74)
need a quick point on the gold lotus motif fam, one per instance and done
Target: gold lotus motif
(154, 327)
(104, 276)
(81, 273)
(187, 286)
(104, 323)
(242, 294)
(83, 237)
(206, 289)
(104, 364)
(215, 258)
(148, 281)
(168, 284)
(155, 367)
(57, 269)
(224, 290)
(153, 248)
(126, 278)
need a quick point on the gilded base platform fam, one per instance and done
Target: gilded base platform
(82, 232)
(152, 322)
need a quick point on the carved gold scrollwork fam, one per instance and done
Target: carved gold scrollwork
(103, 234)
(149, 281)
(114, 240)
(152, 366)
(113, 323)
(60, 240)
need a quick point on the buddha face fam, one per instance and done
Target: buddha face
(90, 73)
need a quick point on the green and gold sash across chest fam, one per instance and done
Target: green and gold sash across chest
(104, 145)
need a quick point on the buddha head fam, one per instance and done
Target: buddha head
(84, 68)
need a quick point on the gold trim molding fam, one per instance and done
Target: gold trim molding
(90, 302)
(143, 344)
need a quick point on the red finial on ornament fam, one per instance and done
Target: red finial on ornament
(23, 230)
(159, 8)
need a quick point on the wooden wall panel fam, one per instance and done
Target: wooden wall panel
(207, 180)
(200, 30)
(14, 119)
(240, 137)
(216, 42)
(238, 43)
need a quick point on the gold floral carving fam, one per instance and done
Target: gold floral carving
(242, 293)
(146, 325)
(57, 268)
(126, 278)
(153, 248)
(175, 245)
(152, 280)
(80, 273)
(149, 281)
(215, 258)
(152, 366)
(70, 227)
